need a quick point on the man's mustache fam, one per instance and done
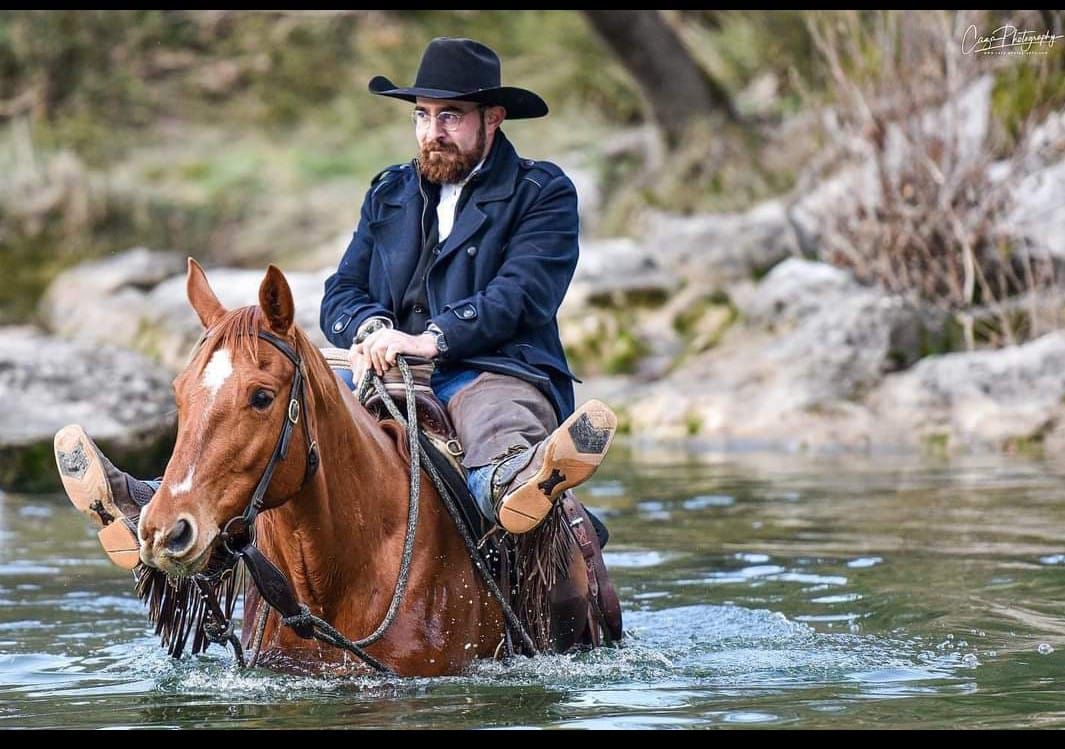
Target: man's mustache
(442, 148)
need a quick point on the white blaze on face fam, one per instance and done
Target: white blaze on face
(217, 371)
(215, 374)
(186, 483)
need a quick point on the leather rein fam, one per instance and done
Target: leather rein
(238, 534)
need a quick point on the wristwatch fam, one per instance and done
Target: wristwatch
(371, 325)
(441, 341)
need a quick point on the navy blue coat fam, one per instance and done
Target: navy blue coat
(496, 285)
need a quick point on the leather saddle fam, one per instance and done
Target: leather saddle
(432, 414)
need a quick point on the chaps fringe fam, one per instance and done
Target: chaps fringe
(540, 557)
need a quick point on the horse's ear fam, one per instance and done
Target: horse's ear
(275, 298)
(201, 297)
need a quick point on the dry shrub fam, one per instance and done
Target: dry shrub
(933, 223)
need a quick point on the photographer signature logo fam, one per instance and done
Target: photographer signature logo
(1007, 40)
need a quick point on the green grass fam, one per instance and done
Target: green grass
(693, 425)
(623, 354)
(1029, 87)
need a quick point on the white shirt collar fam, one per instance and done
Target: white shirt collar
(449, 198)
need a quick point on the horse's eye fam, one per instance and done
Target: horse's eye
(261, 399)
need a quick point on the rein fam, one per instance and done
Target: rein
(411, 425)
(238, 535)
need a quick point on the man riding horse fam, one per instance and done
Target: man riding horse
(461, 256)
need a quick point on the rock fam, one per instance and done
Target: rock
(811, 346)
(581, 172)
(717, 249)
(761, 394)
(104, 300)
(169, 327)
(615, 272)
(1038, 214)
(793, 291)
(122, 399)
(848, 190)
(137, 300)
(986, 399)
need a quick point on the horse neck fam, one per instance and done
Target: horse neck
(330, 534)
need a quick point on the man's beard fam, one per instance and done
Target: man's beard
(443, 163)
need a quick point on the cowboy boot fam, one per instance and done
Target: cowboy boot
(110, 498)
(526, 484)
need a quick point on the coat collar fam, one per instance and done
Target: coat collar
(400, 230)
(495, 181)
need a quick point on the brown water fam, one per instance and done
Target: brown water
(759, 591)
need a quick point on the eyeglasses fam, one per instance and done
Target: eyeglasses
(448, 120)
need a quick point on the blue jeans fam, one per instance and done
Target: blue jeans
(444, 385)
(479, 480)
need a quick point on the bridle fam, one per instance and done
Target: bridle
(240, 531)
(238, 534)
(238, 539)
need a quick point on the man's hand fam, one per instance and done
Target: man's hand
(379, 350)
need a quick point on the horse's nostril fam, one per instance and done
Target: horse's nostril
(180, 537)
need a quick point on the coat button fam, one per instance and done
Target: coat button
(419, 309)
(471, 250)
(528, 163)
(465, 312)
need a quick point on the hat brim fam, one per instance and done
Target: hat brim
(520, 103)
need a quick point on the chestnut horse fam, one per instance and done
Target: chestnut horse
(336, 529)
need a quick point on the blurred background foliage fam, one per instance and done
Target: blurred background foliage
(242, 137)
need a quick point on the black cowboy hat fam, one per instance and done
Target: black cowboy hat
(465, 70)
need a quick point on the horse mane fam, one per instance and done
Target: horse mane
(241, 327)
(540, 558)
(176, 607)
